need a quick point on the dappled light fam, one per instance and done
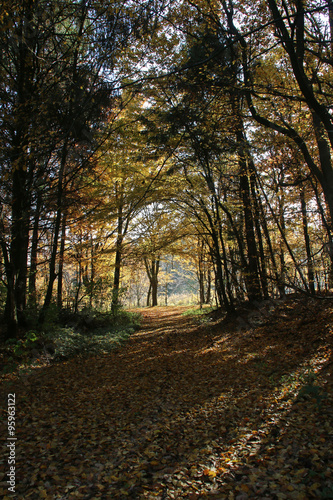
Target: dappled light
(184, 410)
(166, 249)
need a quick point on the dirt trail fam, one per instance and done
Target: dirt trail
(164, 320)
(182, 411)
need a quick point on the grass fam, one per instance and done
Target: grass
(196, 311)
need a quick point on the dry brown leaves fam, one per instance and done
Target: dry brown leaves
(185, 411)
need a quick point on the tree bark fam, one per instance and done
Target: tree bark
(118, 259)
(252, 275)
(307, 242)
(33, 254)
(61, 263)
(152, 268)
(57, 225)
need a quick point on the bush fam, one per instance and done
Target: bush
(86, 333)
(91, 333)
(18, 351)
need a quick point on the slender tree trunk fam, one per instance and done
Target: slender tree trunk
(279, 220)
(284, 242)
(200, 273)
(215, 226)
(57, 225)
(201, 288)
(216, 258)
(236, 268)
(257, 218)
(152, 268)
(92, 272)
(33, 254)
(231, 305)
(118, 259)
(61, 263)
(278, 277)
(252, 275)
(148, 295)
(154, 284)
(209, 287)
(79, 284)
(307, 242)
(220, 288)
(327, 228)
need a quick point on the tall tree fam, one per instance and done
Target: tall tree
(61, 65)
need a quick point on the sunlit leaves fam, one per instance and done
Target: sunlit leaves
(186, 412)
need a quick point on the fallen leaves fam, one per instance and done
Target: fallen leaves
(184, 412)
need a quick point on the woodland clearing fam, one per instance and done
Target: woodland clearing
(191, 407)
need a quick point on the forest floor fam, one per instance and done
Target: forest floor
(190, 408)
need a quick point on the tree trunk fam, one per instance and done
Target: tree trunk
(327, 228)
(33, 254)
(22, 168)
(154, 283)
(118, 259)
(251, 274)
(200, 273)
(209, 287)
(152, 268)
(19, 250)
(92, 272)
(256, 214)
(79, 284)
(278, 277)
(57, 225)
(219, 283)
(231, 305)
(148, 295)
(215, 227)
(61, 263)
(307, 242)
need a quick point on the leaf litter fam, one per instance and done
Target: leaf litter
(184, 411)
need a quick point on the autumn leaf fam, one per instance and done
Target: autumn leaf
(122, 435)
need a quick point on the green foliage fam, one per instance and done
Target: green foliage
(69, 343)
(311, 391)
(203, 315)
(198, 312)
(86, 333)
(304, 386)
(20, 347)
(19, 350)
(92, 333)
(327, 492)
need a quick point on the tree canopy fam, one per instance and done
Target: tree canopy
(134, 134)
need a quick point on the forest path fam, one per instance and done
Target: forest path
(183, 410)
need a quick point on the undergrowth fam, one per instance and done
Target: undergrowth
(83, 334)
(202, 315)
(196, 311)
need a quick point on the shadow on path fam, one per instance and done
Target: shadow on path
(182, 411)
